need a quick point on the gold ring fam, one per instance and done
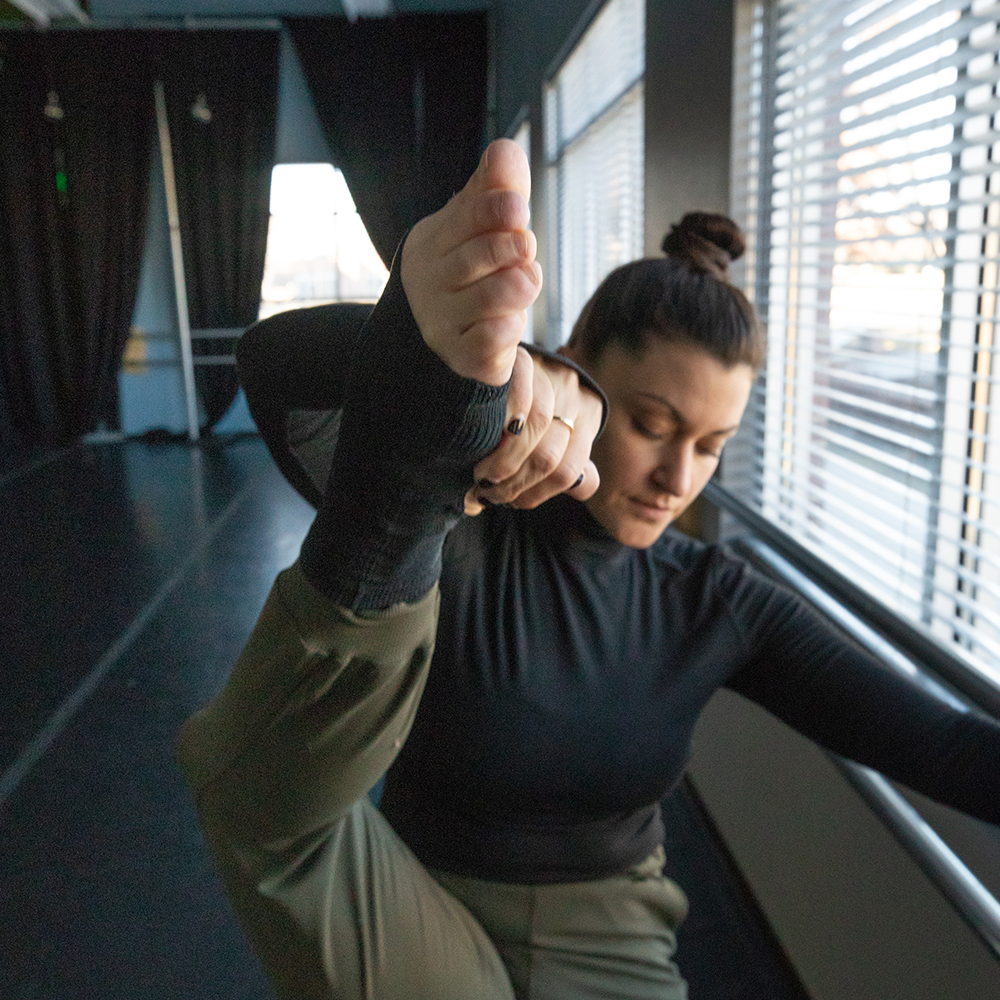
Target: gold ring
(564, 420)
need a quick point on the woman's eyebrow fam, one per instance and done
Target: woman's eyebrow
(679, 417)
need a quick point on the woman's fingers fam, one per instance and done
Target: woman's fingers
(490, 310)
(494, 198)
(484, 255)
(470, 269)
(519, 402)
(552, 453)
(520, 394)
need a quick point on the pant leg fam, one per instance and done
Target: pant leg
(314, 712)
(610, 939)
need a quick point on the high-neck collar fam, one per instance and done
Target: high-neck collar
(571, 524)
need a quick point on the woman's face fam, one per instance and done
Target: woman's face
(672, 408)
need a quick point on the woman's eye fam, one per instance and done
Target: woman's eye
(645, 430)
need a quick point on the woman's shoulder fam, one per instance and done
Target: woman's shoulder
(679, 551)
(712, 567)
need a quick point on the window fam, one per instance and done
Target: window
(317, 247)
(594, 157)
(866, 172)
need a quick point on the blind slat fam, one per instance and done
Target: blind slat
(594, 153)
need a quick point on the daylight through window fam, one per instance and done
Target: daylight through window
(866, 173)
(318, 249)
(594, 151)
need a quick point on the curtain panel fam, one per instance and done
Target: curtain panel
(402, 102)
(221, 90)
(76, 119)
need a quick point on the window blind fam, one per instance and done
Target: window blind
(865, 173)
(594, 156)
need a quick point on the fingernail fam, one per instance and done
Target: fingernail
(578, 481)
(516, 426)
(485, 483)
(484, 501)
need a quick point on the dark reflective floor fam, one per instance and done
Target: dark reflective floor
(130, 576)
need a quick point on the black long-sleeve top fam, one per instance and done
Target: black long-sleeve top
(570, 670)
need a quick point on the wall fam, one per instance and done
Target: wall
(150, 383)
(857, 917)
(689, 55)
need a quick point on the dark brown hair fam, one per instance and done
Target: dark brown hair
(685, 296)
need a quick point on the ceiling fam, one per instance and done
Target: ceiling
(46, 12)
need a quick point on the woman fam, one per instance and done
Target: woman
(576, 643)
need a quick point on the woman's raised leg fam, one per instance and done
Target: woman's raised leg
(281, 762)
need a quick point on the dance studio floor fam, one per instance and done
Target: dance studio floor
(130, 576)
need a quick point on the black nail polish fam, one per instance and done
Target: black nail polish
(578, 481)
(484, 501)
(485, 483)
(516, 426)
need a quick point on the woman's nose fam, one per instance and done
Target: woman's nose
(673, 474)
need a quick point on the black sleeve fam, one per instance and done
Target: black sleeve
(818, 680)
(298, 359)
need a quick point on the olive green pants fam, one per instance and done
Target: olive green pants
(334, 902)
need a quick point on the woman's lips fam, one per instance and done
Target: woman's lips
(650, 510)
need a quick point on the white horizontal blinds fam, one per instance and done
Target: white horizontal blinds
(594, 152)
(750, 206)
(875, 434)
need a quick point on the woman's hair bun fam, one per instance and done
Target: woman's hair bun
(706, 242)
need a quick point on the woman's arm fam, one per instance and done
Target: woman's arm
(298, 359)
(820, 682)
(293, 369)
(411, 432)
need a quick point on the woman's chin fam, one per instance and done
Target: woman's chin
(630, 523)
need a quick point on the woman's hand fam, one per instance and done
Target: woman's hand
(551, 424)
(469, 270)
(469, 273)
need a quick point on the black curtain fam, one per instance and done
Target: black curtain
(75, 139)
(222, 95)
(402, 101)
